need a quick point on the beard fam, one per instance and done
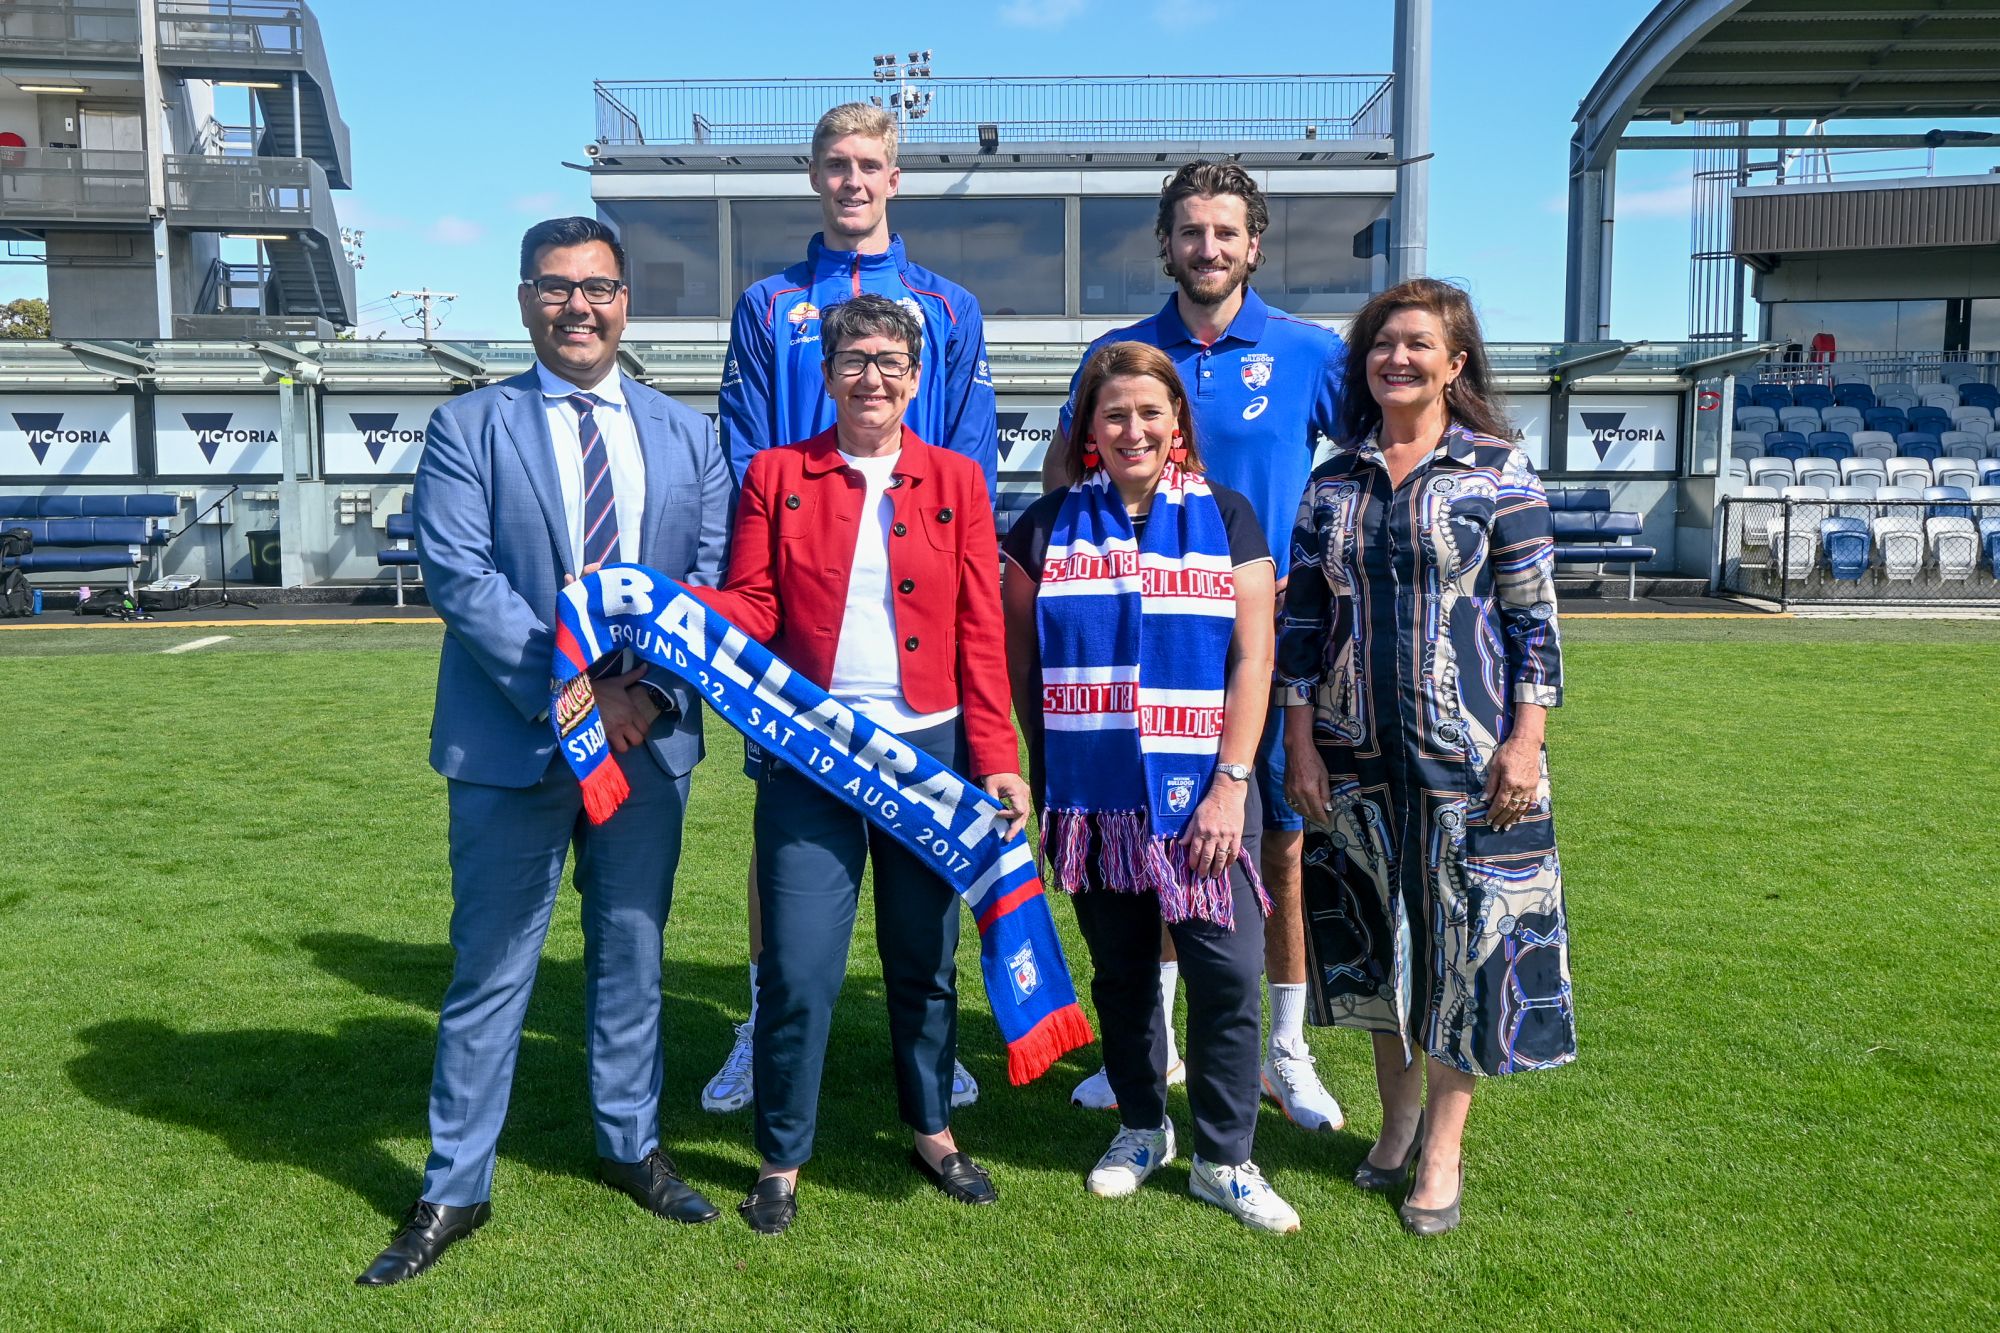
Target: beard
(1210, 287)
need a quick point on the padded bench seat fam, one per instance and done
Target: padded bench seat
(399, 528)
(73, 559)
(1588, 530)
(88, 506)
(90, 531)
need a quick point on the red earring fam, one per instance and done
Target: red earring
(1178, 452)
(1090, 458)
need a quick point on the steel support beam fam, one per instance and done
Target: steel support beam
(1409, 212)
(1929, 139)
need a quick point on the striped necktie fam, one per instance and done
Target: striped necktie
(600, 508)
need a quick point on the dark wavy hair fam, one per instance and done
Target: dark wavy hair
(564, 232)
(1111, 361)
(1471, 400)
(1207, 180)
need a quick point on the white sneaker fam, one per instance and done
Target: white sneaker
(1133, 1155)
(1095, 1092)
(1293, 1083)
(730, 1089)
(964, 1087)
(1241, 1192)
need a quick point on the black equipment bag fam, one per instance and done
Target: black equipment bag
(16, 541)
(16, 597)
(113, 602)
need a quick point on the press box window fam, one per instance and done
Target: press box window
(672, 255)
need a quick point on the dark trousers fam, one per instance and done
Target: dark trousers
(1223, 970)
(508, 846)
(811, 848)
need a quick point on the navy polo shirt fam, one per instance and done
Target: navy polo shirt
(1263, 393)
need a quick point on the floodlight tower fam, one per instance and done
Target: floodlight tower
(907, 102)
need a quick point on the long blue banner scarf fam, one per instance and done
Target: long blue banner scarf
(1134, 632)
(943, 818)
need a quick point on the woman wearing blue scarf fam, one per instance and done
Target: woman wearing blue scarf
(1139, 613)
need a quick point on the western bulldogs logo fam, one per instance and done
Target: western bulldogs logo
(1023, 972)
(802, 312)
(1180, 794)
(909, 303)
(1256, 370)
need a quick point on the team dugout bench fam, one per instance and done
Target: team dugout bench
(87, 533)
(1588, 531)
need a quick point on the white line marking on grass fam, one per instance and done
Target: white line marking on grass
(193, 644)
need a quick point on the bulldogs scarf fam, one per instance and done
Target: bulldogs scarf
(943, 818)
(1134, 634)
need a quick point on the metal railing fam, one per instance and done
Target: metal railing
(72, 185)
(269, 33)
(1286, 108)
(247, 192)
(1861, 552)
(89, 29)
(1863, 366)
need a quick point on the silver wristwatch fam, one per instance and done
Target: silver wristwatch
(1241, 772)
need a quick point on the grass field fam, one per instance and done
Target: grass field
(223, 898)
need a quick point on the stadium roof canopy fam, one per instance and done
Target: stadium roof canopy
(1765, 60)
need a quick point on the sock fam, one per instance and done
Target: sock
(752, 1020)
(1170, 979)
(1288, 1020)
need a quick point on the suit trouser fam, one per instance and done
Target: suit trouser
(1223, 970)
(810, 851)
(508, 846)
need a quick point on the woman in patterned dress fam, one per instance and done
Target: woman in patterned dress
(1419, 656)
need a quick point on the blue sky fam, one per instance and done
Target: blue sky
(462, 114)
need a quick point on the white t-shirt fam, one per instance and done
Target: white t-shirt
(867, 668)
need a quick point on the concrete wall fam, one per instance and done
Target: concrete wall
(101, 284)
(18, 115)
(1883, 275)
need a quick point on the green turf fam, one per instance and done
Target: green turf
(223, 896)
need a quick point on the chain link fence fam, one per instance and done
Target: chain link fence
(1881, 552)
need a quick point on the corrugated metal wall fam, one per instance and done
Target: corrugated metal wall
(1789, 222)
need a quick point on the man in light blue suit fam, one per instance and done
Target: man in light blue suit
(523, 486)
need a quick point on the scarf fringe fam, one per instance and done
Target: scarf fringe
(605, 790)
(1031, 1055)
(1130, 861)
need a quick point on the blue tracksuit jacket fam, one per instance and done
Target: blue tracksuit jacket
(772, 392)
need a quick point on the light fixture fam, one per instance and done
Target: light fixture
(255, 236)
(244, 83)
(53, 88)
(989, 138)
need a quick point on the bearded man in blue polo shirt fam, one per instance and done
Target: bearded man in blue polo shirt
(1264, 388)
(774, 392)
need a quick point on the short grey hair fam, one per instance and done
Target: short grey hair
(869, 316)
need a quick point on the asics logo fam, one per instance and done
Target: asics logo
(1256, 407)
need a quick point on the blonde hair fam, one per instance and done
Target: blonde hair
(862, 118)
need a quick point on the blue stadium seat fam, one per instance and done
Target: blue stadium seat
(1834, 444)
(1933, 419)
(1773, 396)
(1948, 502)
(1980, 395)
(1918, 444)
(1812, 395)
(1847, 546)
(1890, 419)
(1854, 394)
(1785, 444)
(1989, 472)
(1986, 501)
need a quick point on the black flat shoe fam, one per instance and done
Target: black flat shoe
(958, 1176)
(772, 1206)
(428, 1230)
(656, 1183)
(1385, 1179)
(1434, 1221)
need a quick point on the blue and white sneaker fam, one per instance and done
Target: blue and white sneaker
(1133, 1155)
(730, 1089)
(1241, 1192)
(964, 1087)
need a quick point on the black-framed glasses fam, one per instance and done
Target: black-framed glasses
(556, 291)
(893, 365)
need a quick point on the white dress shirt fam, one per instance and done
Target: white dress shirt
(621, 445)
(867, 672)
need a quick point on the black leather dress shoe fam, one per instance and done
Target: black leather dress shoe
(772, 1206)
(656, 1183)
(427, 1230)
(958, 1176)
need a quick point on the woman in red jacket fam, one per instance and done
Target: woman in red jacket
(866, 560)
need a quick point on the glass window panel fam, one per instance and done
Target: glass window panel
(1006, 252)
(1985, 326)
(1856, 326)
(672, 252)
(769, 236)
(1309, 266)
(1119, 257)
(1919, 326)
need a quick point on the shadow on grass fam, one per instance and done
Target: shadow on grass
(328, 1101)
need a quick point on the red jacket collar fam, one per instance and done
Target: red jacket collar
(823, 455)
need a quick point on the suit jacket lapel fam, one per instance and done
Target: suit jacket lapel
(527, 424)
(649, 423)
